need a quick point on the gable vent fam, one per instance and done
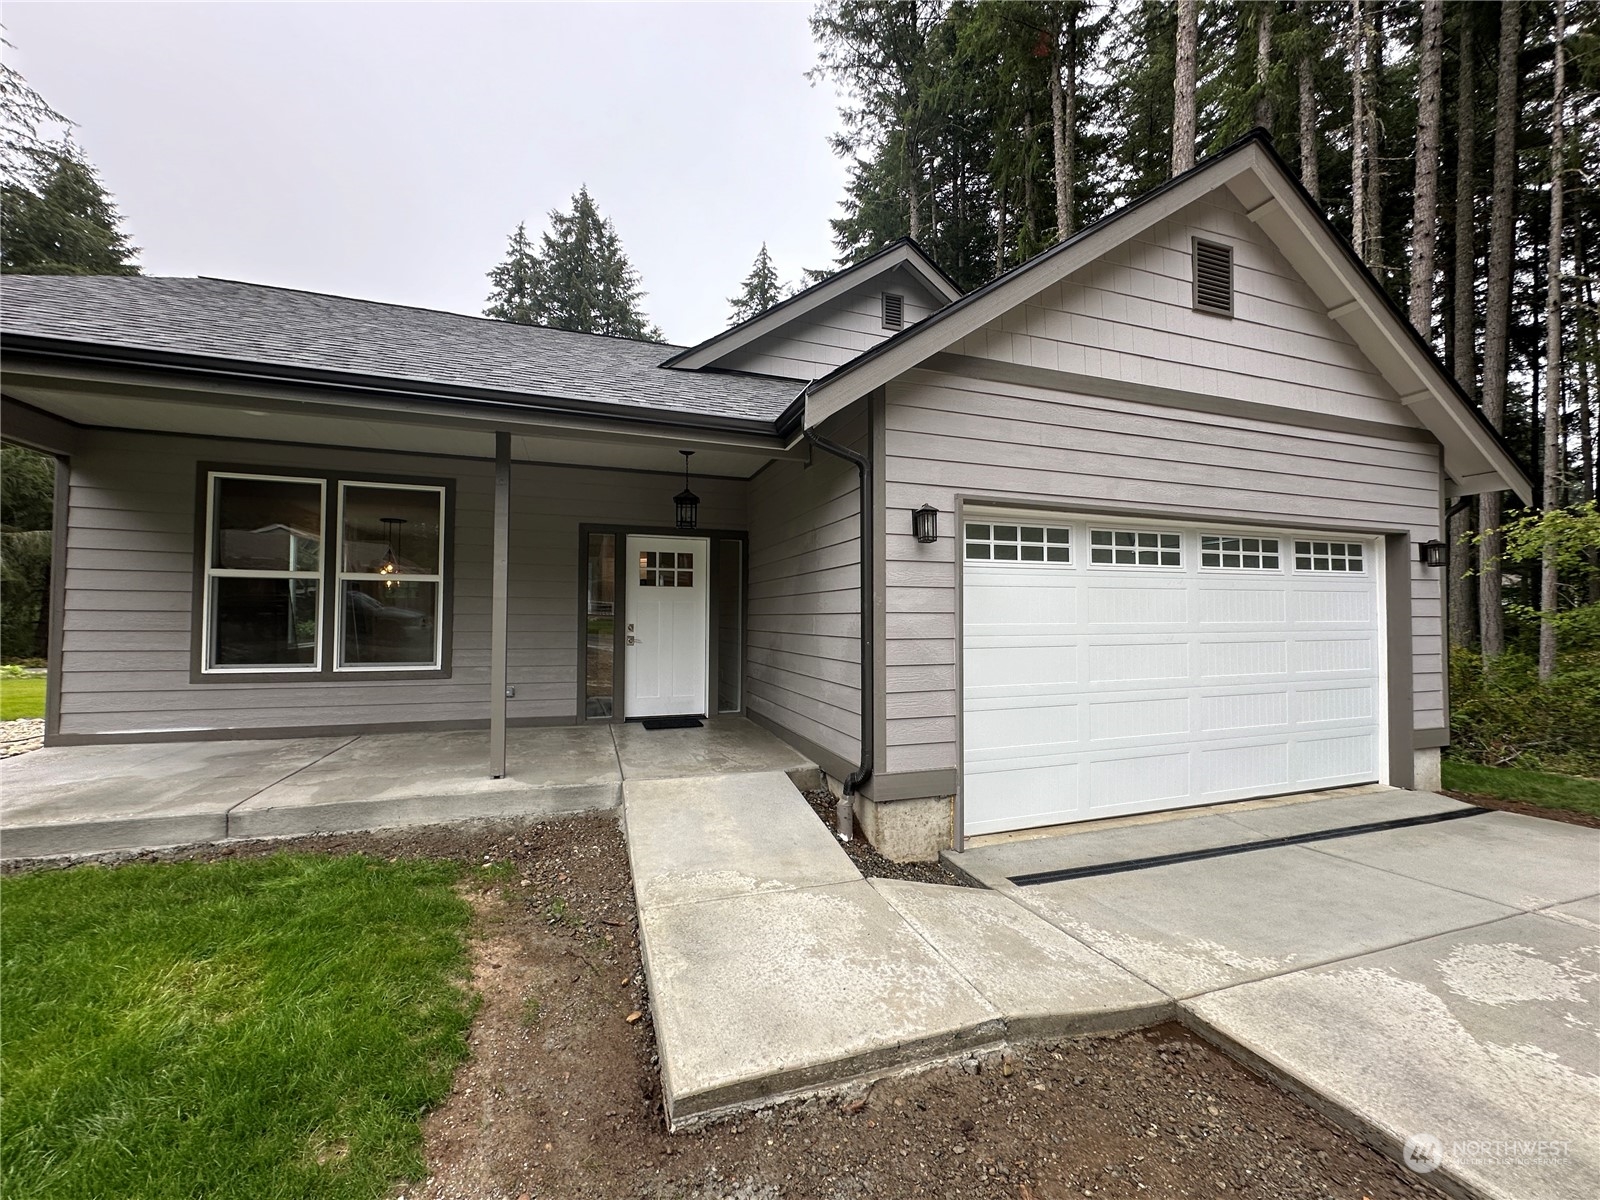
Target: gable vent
(894, 310)
(1213, 277)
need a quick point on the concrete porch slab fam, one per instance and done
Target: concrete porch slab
(1483, 1039)
(393, 779)
(762, 994)
(717, 836)
(1196, 926)
(723, 746)
(1042, 982)
(92, 799)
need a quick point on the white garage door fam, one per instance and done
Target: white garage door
(1115, 666)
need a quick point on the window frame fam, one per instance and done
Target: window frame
(1045, 544)
(1180, 567)
(342, 577)
(323, 669)
(1364, 555)
(1221, 568)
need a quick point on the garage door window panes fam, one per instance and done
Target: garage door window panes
(1328, 556)
(1238, 553)
(1019, 543)
(1135, 548)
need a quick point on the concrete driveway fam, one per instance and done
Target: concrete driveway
(1426, 973)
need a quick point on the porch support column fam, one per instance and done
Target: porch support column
(499, 606)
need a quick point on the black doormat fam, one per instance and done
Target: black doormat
(654, 723)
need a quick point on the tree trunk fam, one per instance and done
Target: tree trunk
(1058, 132)
(1263, 65)
(1183, 89)
(1553, 450)
(1463, 585)
(1373, 35)
(1308, 112)
(1000, 228)
(1425, 206)
(1071, 131)
(1358, 129)
(1497, 317)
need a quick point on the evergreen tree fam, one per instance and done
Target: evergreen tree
(512, 296)
(64, 223)
(580, 279)
(759, 291)
(23, 149)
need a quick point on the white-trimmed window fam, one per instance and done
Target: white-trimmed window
(1229, 553)
(1135, 548)
(277, 598)
(391, 576)
(1006, 541)
(263, 573)
(1328, 556)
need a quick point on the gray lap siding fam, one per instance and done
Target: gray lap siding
(129, 586)
(948, 437)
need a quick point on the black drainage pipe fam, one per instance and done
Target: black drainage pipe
(858, 778)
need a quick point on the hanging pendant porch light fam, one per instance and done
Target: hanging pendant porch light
(688, 504)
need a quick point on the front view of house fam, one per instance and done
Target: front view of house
(1150, 521)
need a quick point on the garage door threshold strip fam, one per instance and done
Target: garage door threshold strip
(1061, 875)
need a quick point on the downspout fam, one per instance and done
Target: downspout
(858, 777)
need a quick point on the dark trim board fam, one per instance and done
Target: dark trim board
(60, 522)
(1430, 739)
(277, 732)
(911, 785)
(1401, 700)
(36, 429)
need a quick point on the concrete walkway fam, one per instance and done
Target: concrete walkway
(1436, 985)
(77, 800)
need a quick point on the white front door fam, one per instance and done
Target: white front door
(667, 617)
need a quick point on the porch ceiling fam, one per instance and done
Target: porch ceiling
(264, 417)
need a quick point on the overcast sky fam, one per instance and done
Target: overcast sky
(386, 150)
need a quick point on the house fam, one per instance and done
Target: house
(1150, 521)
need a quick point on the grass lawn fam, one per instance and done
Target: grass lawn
(1530, 787)
(260, 1028)
(21, 698)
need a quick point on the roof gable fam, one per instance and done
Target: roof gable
(1250, 179)
(898, 265)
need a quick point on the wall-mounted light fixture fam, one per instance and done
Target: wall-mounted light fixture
(925, 523)
(687, 502)
(1432, 554)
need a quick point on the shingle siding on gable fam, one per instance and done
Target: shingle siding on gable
(129, 581)
(1130, 316)
(831, 336)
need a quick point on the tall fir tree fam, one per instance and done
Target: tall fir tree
(760, 290)
(62, 222)
(511, 297)
(580, 280)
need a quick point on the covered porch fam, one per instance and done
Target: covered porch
(84, 800)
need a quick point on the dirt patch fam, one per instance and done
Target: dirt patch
(874, 865)
(561, 1096)
(1588, 820)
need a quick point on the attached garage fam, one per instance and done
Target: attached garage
(1114, 666)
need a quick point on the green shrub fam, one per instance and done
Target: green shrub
(1501, 715)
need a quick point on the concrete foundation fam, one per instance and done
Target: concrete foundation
(908, 830)
(1425, 773)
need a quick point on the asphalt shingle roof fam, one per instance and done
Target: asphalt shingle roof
(244, 323)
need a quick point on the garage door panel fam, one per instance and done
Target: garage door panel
(1142, 661)
(1142, 780)
(1114, 605)
(1157, 716)
(1243, 712)
(1092, 690)
(1233, 770)
(1250, 607)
